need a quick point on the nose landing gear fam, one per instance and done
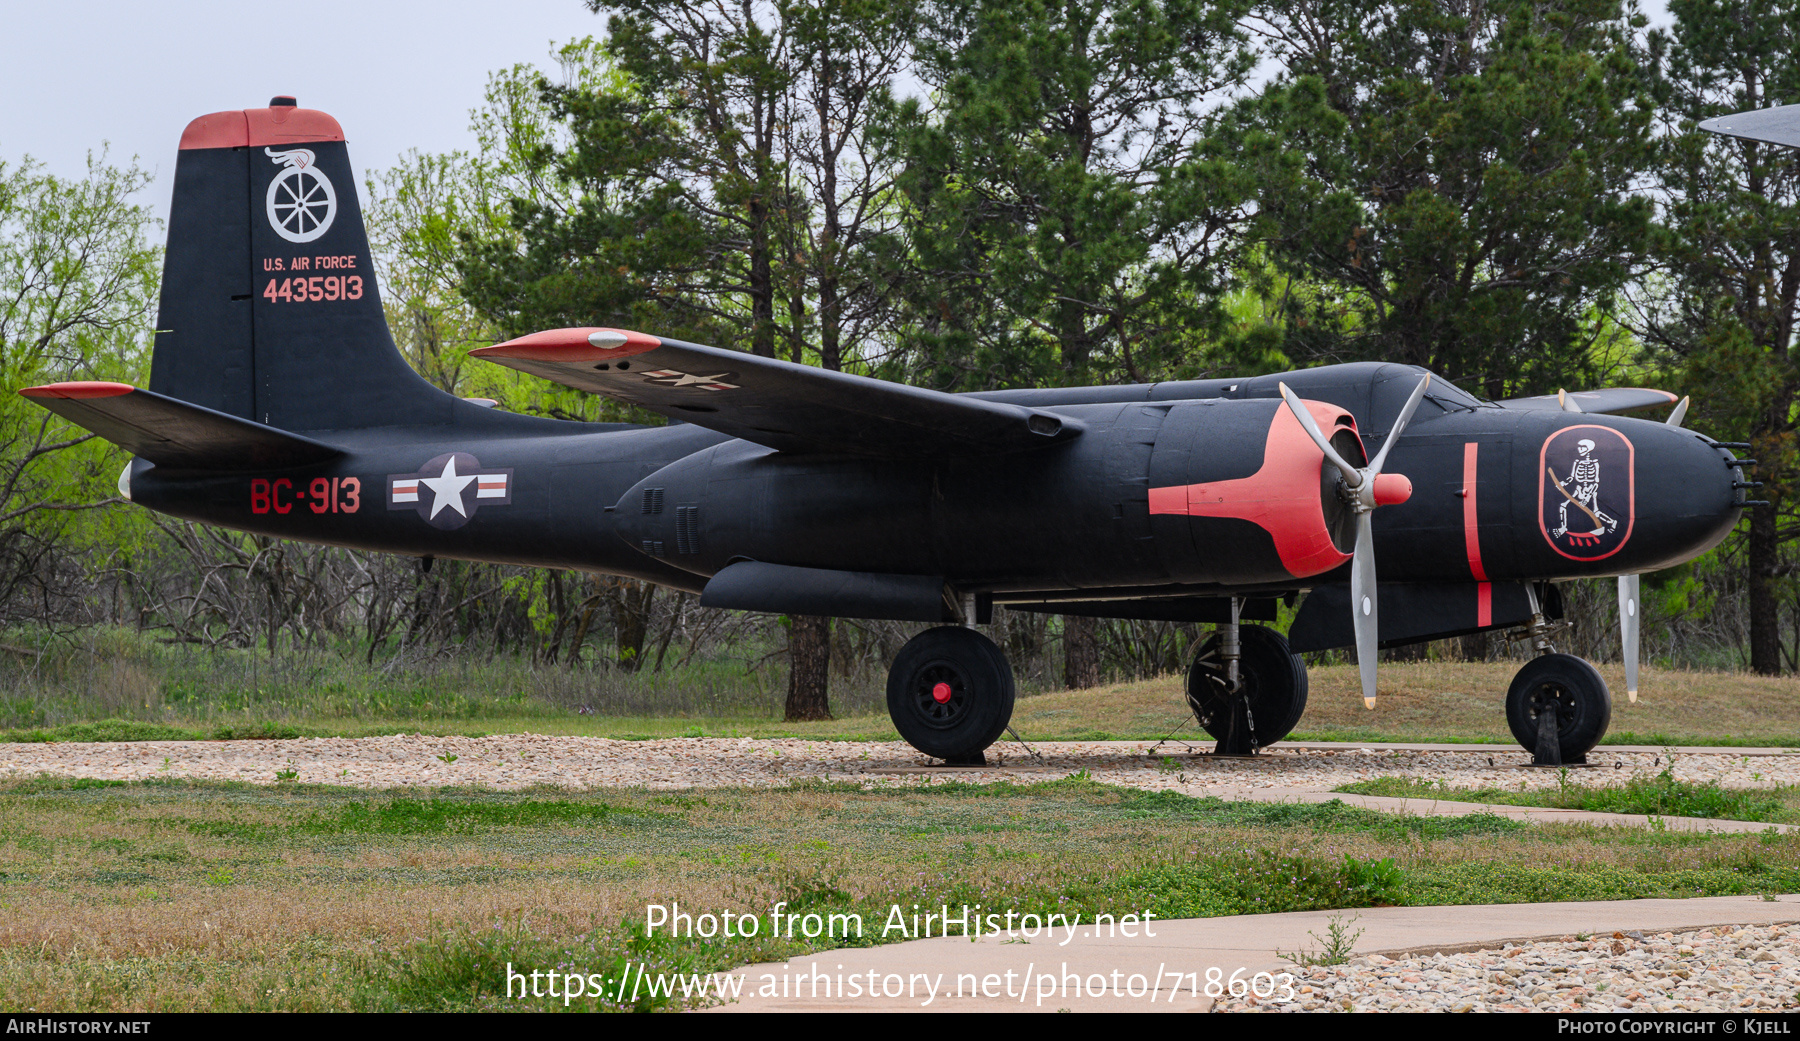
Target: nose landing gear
(1557, 707)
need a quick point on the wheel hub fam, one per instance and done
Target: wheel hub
(940, 695)
(1550, 698)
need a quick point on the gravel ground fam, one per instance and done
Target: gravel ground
(1728, 969)
(516, 761)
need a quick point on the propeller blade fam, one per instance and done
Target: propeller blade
(1629, 608)
(1679, 414)
(1363, 606)
(1352, 476)
(1566, 403)
(1400, 421)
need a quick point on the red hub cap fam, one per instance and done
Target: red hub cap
(941, 693)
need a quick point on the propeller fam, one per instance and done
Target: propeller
(1368, 488)
(1629, 586)
(1566, 402)
(1630, 599)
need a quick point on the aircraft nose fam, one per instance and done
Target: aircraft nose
(1620, 496)
(1686, 500)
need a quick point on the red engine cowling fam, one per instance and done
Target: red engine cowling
(1259, 515)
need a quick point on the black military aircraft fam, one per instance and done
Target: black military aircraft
(278, 404)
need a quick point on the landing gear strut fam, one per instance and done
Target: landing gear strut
(1246, 688)
(950, 694)
(1558, 706)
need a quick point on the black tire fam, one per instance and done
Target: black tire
(1574, 687)
(1272, 677)
(960, 726)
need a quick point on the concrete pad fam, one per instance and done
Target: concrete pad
(1094, 971)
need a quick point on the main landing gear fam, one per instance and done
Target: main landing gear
(950, 694)
(1558, 706)
(1246, 688)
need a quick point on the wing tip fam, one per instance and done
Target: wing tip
(79, 389)
(587, 343)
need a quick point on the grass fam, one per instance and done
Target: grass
(1660, 796)
(1434, 701)
(122, 685)
(171, 895)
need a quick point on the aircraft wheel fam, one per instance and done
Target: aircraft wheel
(1272, 689)
(950, 694)
(1570, 687)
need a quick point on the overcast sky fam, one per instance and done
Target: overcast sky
(398, 74)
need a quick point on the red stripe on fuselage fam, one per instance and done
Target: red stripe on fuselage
(1282, 498)
(1484, 590)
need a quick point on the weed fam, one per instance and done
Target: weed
(220, 876)
(288, 773)
(1381, 880)
(1335, 948)
(448, 757)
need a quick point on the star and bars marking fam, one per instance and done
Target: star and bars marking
(447, 491)
(676, 378)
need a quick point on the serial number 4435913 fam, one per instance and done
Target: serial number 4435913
(314, 287)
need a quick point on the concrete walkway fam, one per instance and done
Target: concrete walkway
(1105, 970)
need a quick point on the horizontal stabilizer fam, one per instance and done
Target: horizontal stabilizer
(1603, 401)
(789, 407)
(1777, 126)
(176, 434)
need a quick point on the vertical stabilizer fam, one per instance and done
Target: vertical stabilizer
(269, 305)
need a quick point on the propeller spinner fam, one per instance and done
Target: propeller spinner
(1368, 488)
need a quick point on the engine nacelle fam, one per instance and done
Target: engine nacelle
(1194, 492)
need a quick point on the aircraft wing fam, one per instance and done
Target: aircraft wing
(1608, 399)
(1777, 126)
(788, 407)
(174, 433)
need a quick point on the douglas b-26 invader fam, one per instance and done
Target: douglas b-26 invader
(278, 404)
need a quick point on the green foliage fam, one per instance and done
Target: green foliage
(461, 817)
(1662, 796)
(1457, 183)
(78, 276)
(467, 971)
(1334, 948)
(1063, 231)
(431, 213)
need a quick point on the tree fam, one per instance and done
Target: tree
(718, 189)
(1729, 257)
(78, 277)
(1063, 228)
(1455, 177)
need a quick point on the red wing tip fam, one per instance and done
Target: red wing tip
(588, 343)
(79, 389)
